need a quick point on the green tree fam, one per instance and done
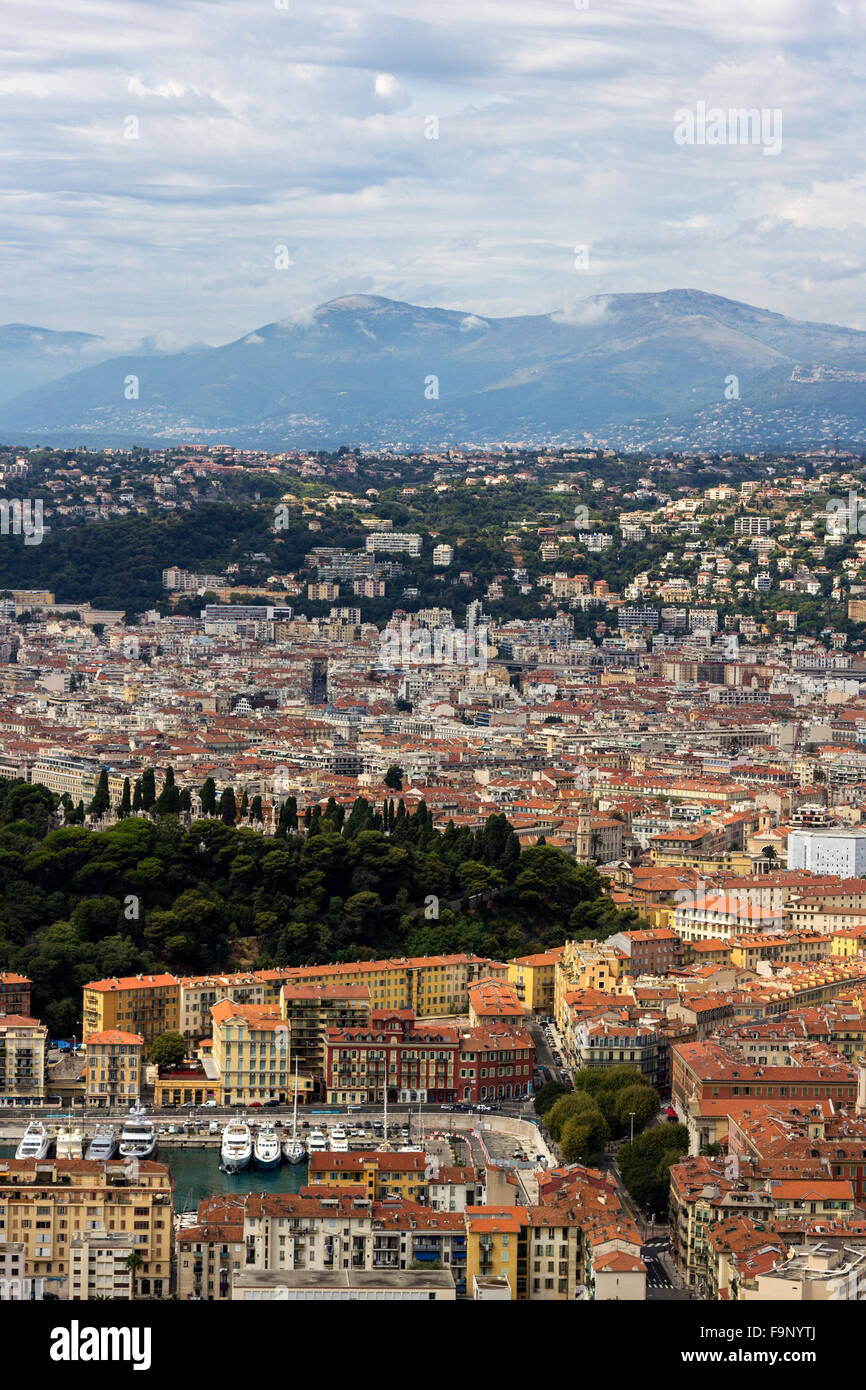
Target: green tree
(101, 801)
(134, 1262)
(148, 788)
(168, 799)
(228, 807)
(394, 778)
(208, 798)
(584, 1135)
(547, 1095)
(168, 1050)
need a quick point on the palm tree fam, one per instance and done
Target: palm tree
(134, 1261)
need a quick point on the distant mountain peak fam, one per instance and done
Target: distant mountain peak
(642, 370)
(361, 301)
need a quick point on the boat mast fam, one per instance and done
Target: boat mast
(295, 1112)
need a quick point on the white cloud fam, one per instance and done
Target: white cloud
(307, 127)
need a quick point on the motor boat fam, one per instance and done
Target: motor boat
(267, 1149)
(317, 1142)
(339, 1140)
(237, 1146)
(103, 1145)
(70, 1141)
(35, 1142)
(138, 1136)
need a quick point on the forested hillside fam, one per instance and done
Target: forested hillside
(151, 893)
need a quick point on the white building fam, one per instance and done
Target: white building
(837, 851)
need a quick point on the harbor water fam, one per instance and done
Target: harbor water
(197, 1174)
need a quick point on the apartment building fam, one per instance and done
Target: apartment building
(23, 1046)
(310, 1011)
(145, 1004)
(198, 993)
(606, 1043)
(653, 952)
(533, 978)
(425, 1062)
(98, 1265)
(493, 1002)
(66, 775)
(334, 1230)
(393, 543)
(251, 1053)
(114, 1068)
(587, 965)
(14, 993)
(46, 1204)
(712, 1081)
(428, 985)
(380, 1174)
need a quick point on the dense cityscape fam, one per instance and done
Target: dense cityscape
(432, 683)
(464, 849)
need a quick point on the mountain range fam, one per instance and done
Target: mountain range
(677, 369)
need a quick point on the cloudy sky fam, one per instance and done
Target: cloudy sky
(156, 153)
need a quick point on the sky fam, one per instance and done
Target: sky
(187, 170)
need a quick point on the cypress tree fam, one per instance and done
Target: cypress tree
(101, 801)
(208, 798)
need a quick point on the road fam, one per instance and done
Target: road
(543, 1054)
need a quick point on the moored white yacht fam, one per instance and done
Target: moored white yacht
(35, 1142)
(237, 1146)
(317, 1142)
(103, 1145)
(266, 1148)
(69, 1142)
(138, 1136)
(339, 1140)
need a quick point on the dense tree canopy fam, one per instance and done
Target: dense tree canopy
(151, 893)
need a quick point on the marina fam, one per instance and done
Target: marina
(197, 1173)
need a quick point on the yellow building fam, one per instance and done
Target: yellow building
(47, 1208)
(429, 985)
(534, 979)
(734, 861)
(113, 1069)
(198, 993)
(847, 941)
(145, 1004)
(786, 948)
(251, 1053)
(587, 965)
(381, 1174)
(23, 1041)
(496, 1247)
